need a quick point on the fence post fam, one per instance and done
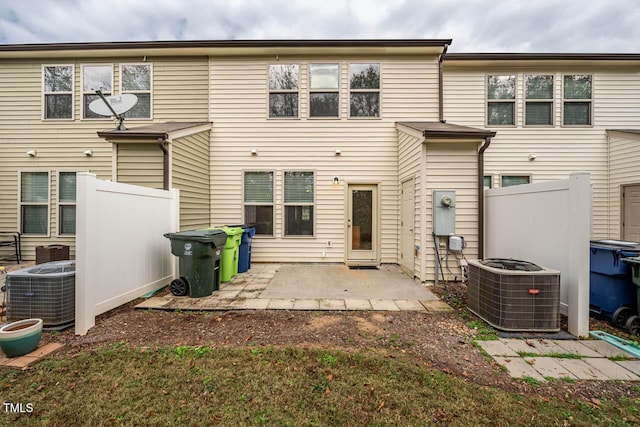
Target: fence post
(578, 291)
(85, 205)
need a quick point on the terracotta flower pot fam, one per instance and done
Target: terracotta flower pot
(21, 337)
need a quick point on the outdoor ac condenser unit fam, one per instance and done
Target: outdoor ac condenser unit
(513, 295)
(46, 291)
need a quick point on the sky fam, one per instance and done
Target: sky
(581, 26)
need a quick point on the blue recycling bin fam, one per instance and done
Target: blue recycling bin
(611, 291)
(244, 255)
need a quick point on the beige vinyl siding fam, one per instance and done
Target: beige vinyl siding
(452, 165)
(60, 143)
(409, 167)
(623, 163)
(369, 150)
(559, 150)
(140, 164)
(190, 174)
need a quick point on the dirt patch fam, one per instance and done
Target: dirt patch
(437, 340)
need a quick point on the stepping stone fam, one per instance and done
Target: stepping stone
(384, 305)
(605, 349)
(582, 369)
(549, 367)
(436, 306)
(281, 304)
(332, 304)
(357, 304)
(409, 305)
(306, 304)
(611, 369)
(630, 365)
(521, 346)
(518, 368)
(577, 347)
(22, 362)
(496, 348)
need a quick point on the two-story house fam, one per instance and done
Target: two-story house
(331, 148)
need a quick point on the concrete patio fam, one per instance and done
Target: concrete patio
(311, 287)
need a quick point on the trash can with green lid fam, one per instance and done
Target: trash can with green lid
(229, 265)
(199, 253)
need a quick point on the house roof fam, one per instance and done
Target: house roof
(167, 130)
(634, 131)
(447, 130)
(535, 59)
(226, 47)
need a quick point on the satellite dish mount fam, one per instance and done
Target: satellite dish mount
(114, 105)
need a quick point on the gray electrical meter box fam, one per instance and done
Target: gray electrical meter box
(444, 212)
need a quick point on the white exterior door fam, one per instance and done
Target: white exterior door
(631, 224)
(407, 254)
(362, 224)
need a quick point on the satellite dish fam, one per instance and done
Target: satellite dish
(113, 105)
(119, 104)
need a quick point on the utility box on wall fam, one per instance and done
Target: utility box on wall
(444, 212)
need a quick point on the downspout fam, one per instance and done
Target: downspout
(441, 85)
(483, 148)
(162, 143)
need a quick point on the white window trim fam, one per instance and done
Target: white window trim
(272, 204)
(379, 91)
(502, 175)
(284, 206)
(337, 90)
(72, 93)
(83, 93)
(590, 101)
(59, 203)
(21, 203)
(551, 100)
(135, 92)
(269, 91)
(513, 101)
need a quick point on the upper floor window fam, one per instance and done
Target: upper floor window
(364, 85)
(324, 84)
(283, 90)
(95, 77)
(136, 79)
(57, 87)
(538, 94)
(577, 98)
(501, 100)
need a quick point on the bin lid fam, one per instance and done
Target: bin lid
(632, 260)
(511, 264)
(616, 244)
(215, 236)
(231, 231)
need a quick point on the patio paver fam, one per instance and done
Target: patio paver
(582, 369)
(518, 368)
(409, 305)
(549, 367)
(383, 305)
(497, 348)
(357, 304)
(306, 304)
(612, 369)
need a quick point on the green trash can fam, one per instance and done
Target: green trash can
(198, 253)
(229, 264)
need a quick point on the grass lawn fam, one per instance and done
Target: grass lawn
(295, 386)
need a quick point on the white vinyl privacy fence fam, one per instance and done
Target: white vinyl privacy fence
(549, 224)
(121, 253)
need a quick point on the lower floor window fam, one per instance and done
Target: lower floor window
(67, 203)
(511, 180)
(261, 217)
(299, 196)
(34, 202)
